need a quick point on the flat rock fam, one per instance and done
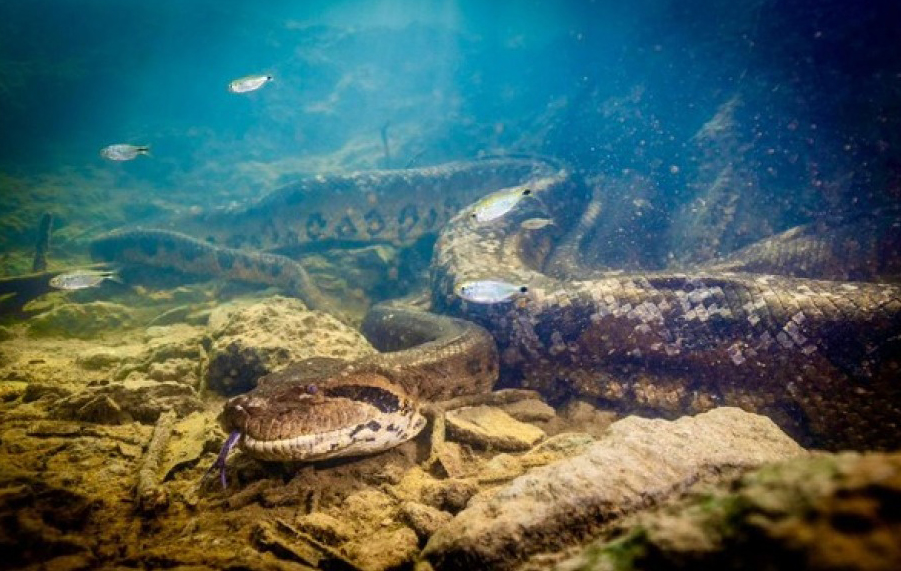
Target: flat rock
(385, 549)
(266, 336)
(424, 520)
(638, 463)
(191, 437)
(829, 511)
(529, 410)
(169, 353)
(490, 427)
(81, 320)
(134, 399)
(449, 495)
(98, 359)
(325, 528)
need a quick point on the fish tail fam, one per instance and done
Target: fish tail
(113, 275)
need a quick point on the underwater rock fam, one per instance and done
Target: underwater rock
(220, 315)
(639, 462)
(11, 390)
(172, 316)
(424, 520)
(176, 371)
(564, 445)
(42, 522)
(492, 428)
(140, 400)
(584, 417)
(98, 359)
(191, 437)
(172, 353)
(81, 320)
(450, 495)
(293, 547)
(267, 336)
(38, 390)
(325, 528)
(529, 410)
(452, 460)
(824, 512)
(385, 549)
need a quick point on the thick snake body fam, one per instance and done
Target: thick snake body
(817, 355)
(327, 408)
(389, 206)
(821, 357)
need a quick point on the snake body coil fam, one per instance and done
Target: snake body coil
(819, 356)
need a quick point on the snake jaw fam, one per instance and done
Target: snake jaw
(377, 434)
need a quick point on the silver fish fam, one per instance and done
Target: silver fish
(489, 291)
(248, 83)
(80, 279)
(123, 152)
(535, 223)
(499, 203)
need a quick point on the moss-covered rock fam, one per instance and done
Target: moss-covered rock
(490, 427)
(81, 320)
(267, 336)
(640, 462)
(826, 512)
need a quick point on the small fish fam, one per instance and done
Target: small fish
(248, 83)
(124, 152)
(641, 203)
(535, 223)
(80, 279)
(499, 203)
(489, 291)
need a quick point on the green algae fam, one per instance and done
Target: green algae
(822, 511)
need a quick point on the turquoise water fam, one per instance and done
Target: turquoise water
(606, 86)
(697, 128)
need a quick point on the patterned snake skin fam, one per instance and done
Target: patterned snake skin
(327, 408)
(391, 206)
(818, 356)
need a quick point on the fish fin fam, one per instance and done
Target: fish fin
(114, 277)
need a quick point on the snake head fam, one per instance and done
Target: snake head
(348, 414)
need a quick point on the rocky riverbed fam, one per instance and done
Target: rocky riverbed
(109, 423)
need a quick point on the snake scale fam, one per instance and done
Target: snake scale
(819, 356)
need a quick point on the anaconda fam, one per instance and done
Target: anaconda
(818, 356)
(389, 206)
(328, 408)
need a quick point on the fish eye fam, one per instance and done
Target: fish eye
(527, 192)
(523, 289)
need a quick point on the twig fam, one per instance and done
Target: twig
(150, 495)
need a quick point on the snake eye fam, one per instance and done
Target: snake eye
(312, 389)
